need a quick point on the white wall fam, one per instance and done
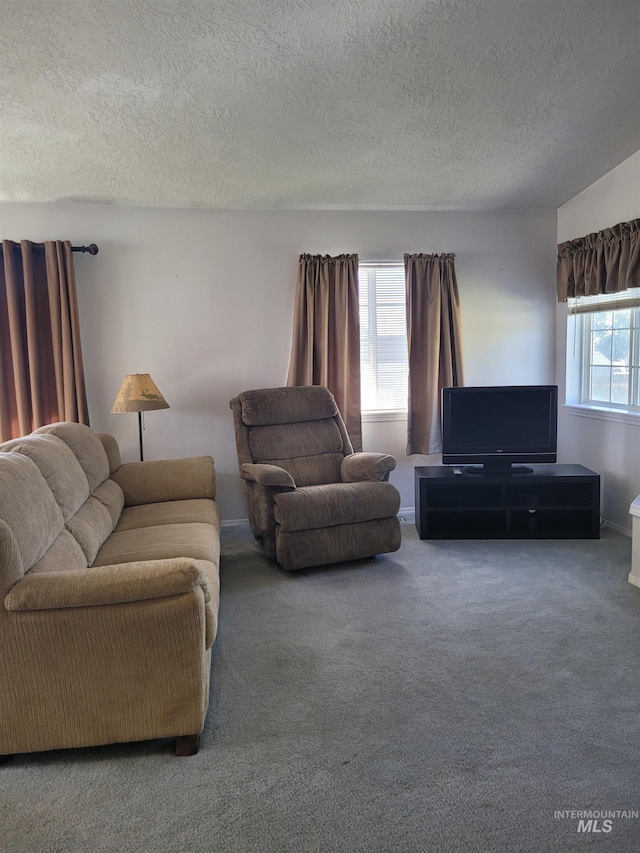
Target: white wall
(612, 199)
(203, 301)
(610, 447)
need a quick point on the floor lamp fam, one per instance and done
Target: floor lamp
(138, 393)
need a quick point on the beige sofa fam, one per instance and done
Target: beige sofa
(108, 593)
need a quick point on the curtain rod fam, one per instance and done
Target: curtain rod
(92, 249)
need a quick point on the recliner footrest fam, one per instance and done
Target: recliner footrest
(333, 504)
(304, 548)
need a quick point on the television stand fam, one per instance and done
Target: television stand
(551, 502)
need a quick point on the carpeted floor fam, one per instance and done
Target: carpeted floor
(453, 696)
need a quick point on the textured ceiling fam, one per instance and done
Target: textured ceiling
(353, 104)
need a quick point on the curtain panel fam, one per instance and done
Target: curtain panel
(434, 345)
(325, 348)
(603, 262)
(41, 372)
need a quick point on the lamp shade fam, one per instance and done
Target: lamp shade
(138, 393)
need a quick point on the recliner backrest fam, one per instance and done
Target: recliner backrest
(298, 428)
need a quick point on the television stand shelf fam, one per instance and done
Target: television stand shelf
(552, 502)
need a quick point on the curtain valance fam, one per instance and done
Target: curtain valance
(603, 262)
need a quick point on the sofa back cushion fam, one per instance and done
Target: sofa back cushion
(59, 467)
(111, 497)
(86, 446)
(73, 467)
(10, 560)
(112, 450)
(30, 512)
(96, 518)
(64, 555)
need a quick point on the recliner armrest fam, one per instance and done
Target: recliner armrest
(358, 467)
(267, 475)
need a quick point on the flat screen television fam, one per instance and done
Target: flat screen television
(499, 427)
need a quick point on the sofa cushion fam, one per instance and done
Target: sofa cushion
(59, 467)
(86, 446)
(170, 512)
(64, 554)
(287, 405)
(111, 497)
(90, 526)
(112, 450)
(24, 498)
(10, 560)
(335, 503)
(197, 540)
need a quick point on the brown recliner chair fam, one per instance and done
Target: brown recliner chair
(310, 499)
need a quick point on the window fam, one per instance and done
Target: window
(605, 336)
(383, 337)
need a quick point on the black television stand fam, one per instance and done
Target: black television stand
(551, 502)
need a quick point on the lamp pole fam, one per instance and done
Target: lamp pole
(140, 433)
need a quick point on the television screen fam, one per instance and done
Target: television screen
(500, 425)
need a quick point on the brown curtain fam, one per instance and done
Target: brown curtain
(41, 373)
(603, 262)
(434, 345)
(325, 347)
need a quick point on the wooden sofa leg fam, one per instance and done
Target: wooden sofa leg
(187, 745)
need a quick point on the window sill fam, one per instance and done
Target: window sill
(373, 417)
(602, 413)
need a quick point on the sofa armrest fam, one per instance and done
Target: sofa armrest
(358, 467)
(267, 475)
(167, 480)
(106, 585)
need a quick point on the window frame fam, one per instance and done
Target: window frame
(578, 365)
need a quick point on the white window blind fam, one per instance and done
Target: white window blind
(383, 337)
(608, 302)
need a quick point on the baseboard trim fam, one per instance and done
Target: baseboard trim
(634, 579)
(235, 522)
(407, 515)
(626, 531)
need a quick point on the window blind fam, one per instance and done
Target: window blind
(606, 302)
(383, 337)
